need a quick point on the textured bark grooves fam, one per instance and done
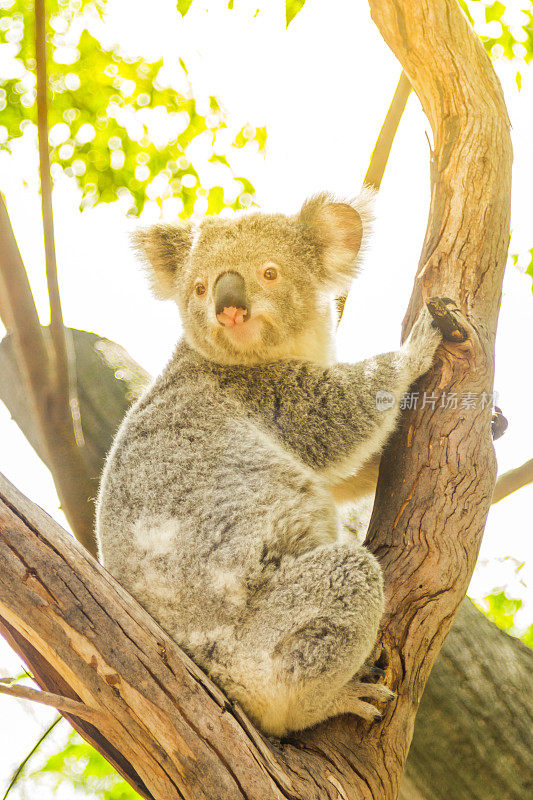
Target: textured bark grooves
(437, 477)
(472, 737)
(165, 726)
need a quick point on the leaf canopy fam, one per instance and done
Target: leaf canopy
(122, 126)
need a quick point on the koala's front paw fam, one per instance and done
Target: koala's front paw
(421, 345)
(446, 315)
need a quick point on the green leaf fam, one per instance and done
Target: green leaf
(80, 766)
(502, 609)
(494, 12)
(215, 158)
(292, 7)
(103, 108)
(246, 185)
(215, 200)
(506, 43)
(183, 6)
(260, 137)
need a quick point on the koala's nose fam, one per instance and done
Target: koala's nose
(231, 306)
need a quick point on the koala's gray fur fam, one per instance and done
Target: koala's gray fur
(217, 508)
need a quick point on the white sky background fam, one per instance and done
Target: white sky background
(322, 88)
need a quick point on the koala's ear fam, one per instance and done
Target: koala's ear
(338, 230)
(163, 249)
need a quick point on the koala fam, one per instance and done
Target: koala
(220, 502)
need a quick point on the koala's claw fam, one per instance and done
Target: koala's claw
(499, 423)
(376, 663)
(445, 317)
(351, 702)
(372, 672)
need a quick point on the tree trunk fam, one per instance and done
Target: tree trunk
(472, 738)
(162, 723)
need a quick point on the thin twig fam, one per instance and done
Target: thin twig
(382, 148)
(65, 704)
(64, 367)
(38, 743)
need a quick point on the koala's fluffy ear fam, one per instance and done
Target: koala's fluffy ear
(338, 229)
(163, 248)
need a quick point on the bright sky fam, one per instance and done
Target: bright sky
(322, 88)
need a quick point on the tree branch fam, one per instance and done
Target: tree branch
(52, 420)
(168, 729)
(383, 146)
(513, 480)
(108, 381)
(19, 315)
(63, 423)
(62, 371)
(382, 149)
(64, 704)
(44, 357)
(475, 718)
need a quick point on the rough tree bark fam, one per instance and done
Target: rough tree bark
(161, 721)
(472, 738)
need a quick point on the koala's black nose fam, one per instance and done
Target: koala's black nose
(230, 293)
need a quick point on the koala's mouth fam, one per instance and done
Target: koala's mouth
(253, 335)
(245, 332)
(232, 317)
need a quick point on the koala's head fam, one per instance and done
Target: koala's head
(259, 287)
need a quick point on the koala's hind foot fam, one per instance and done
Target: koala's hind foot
(308, 632)
(349, 700)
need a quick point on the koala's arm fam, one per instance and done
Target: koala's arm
(360, 485)
(330, 417)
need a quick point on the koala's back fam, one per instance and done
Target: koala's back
(194, 506)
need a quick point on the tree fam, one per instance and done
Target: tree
(428, 582)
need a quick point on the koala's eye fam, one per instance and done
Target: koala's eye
(270, 274)
(200, 289)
